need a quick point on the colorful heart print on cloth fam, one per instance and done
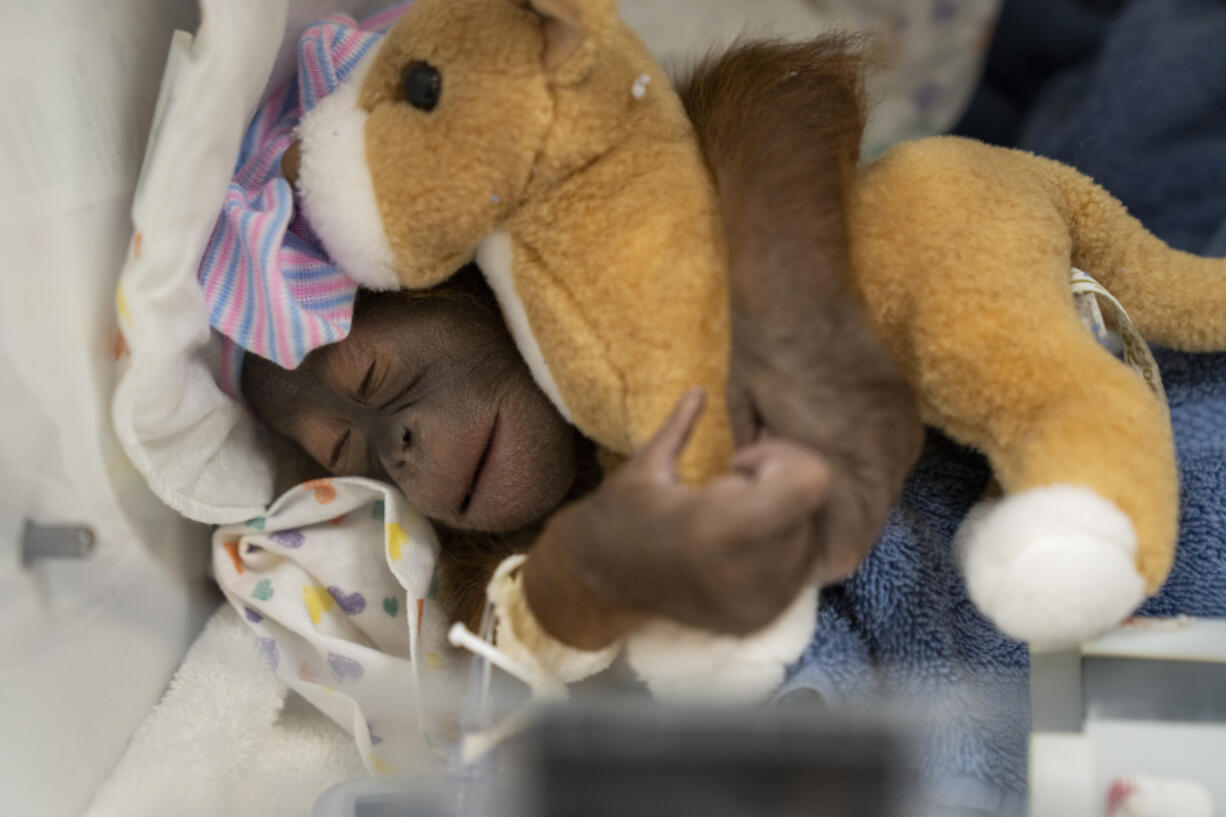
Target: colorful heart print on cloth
(336, 581)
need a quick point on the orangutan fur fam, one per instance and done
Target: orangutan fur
(467, 559)
(780, 125)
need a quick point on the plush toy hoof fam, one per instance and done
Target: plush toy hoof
(1051, 566)
(682, 665)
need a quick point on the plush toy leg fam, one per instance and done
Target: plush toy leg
(1051, 565)
(1083, 451)
(1088, 524)
(688, 666)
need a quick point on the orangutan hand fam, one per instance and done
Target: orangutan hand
(728, 556)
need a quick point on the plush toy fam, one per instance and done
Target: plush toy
(539, 136)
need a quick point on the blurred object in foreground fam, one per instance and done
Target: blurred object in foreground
(616, 759)
(1133, 723)
(608, 762)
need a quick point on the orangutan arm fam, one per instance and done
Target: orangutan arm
(780, 125)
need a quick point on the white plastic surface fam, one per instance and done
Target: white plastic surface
(1177, 766)
(85, 648)
(1178, 751)
(1172, 639)
(1062, 776)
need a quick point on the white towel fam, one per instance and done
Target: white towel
(228, 738)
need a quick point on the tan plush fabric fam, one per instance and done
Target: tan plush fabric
(961, 254)
(546, 128)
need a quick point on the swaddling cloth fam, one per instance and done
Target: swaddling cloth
(337, 582)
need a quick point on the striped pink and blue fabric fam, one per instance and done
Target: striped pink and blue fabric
(270, 287)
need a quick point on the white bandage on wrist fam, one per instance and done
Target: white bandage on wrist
(521, 637)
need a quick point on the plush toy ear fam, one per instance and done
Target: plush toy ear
(572, 29)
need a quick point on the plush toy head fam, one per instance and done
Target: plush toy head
(530, 134)
(434, 140)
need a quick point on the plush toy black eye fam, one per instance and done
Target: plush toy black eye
(422, 86)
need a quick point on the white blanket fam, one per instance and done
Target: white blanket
(228, 739)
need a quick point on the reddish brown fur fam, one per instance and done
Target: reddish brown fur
(467, 562)
(780, 125)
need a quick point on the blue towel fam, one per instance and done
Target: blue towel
(1146, 116)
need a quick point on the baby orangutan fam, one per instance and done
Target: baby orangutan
(429, 392)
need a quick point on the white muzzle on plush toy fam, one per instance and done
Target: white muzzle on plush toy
(338, 195)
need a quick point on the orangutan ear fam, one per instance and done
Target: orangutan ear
(570, 28)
